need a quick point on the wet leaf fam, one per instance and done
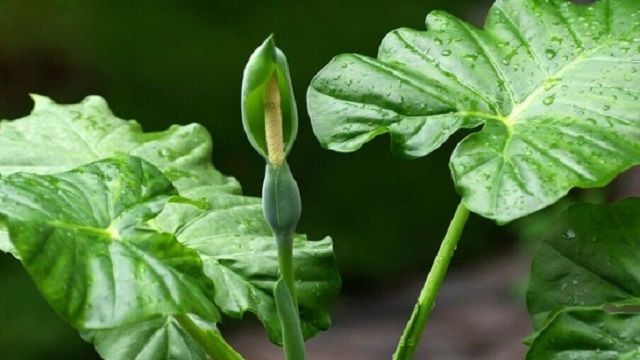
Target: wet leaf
(160, 338)
(554, 84)
(588, 263)
(56, 138)
(588, 258)
(240, 257)
(584, 334)
(81, 235)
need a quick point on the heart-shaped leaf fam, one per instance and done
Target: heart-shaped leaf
(587, 334)
(81, 237)
(555, 84)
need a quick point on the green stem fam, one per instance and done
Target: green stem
(209, 340)
(285, 263)
(293, 342)
(426, 301)
(287, 300)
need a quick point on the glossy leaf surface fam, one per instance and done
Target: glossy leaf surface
(56, 138)
(589, 258)
(588, 262)
(81, 236)
(555, 85)
(160, 338)
(240, 257)
(589, 335)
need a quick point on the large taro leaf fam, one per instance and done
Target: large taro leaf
(183, 154)
(240, 257)
(555, 84)
(56, 138)
(588, 262)
(81, 235)
(587, 334)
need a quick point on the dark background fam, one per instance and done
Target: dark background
(176, 62)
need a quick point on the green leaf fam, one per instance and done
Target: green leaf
(81, 236)
(160, 338)
(588, 258)
(240, 257)
(588, 334)
(56, 138)
(588, 262)
(555, 84)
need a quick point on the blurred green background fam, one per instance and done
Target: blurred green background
(164, 62)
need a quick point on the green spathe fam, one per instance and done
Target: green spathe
(264, 61)
(554, 84)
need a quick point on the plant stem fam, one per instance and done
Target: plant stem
(426, 301)
(293, 342)
(285, 263)
(209, 340)
(287, 301)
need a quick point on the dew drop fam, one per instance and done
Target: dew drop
(548, 100)
(569, 234)
(550, 53)
(446, 52)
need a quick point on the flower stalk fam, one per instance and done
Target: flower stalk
(270, 121)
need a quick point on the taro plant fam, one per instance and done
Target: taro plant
(137, 241)
(554, 88)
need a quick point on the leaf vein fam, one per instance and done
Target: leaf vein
(404, 78)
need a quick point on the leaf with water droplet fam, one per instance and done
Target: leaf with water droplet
(600, 262)
(588, 334)
(82, 238)
(159, 338)
(242, 261)
(531, 85)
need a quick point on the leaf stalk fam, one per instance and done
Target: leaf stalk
(410, 339)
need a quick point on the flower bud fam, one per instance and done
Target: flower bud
(269, 113)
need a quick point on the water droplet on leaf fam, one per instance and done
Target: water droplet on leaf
(569, 234)
(548, 100)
